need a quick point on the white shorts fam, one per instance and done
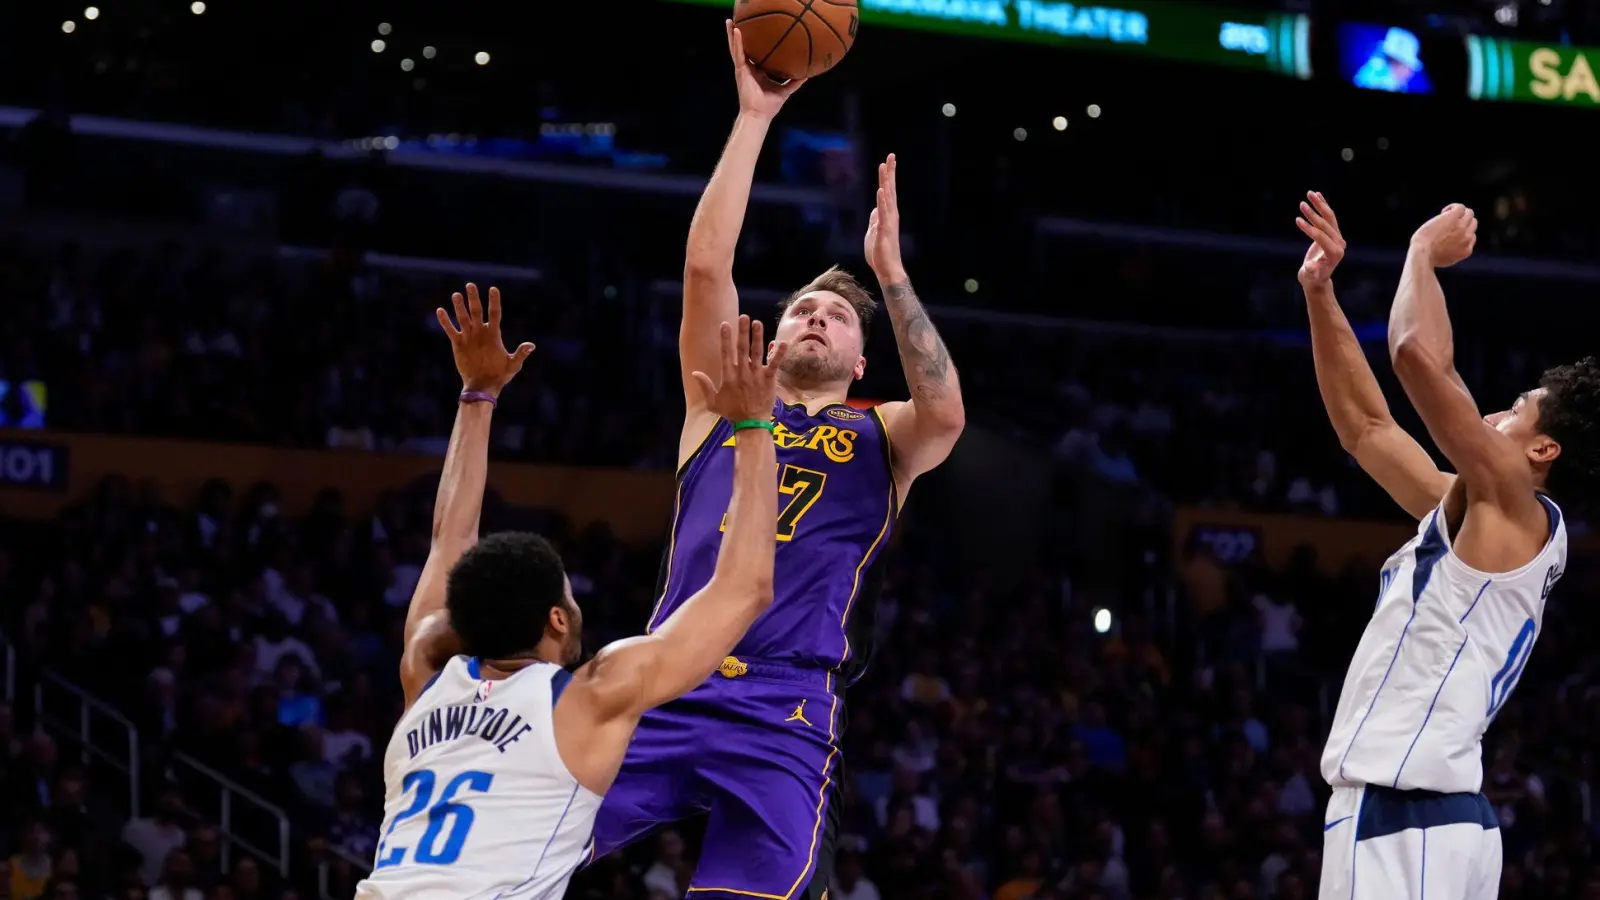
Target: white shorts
(1382, 844)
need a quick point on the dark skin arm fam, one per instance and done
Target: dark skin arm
(596, 717)
(1350, 392)
(485, 367)
(1502, 524)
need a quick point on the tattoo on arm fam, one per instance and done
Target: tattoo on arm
(922, 352)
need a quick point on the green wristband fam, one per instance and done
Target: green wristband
(743, 424)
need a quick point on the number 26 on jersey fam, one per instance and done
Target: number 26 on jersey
(448, 818)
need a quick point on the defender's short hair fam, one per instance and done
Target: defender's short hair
(838, 281)
(500, 593)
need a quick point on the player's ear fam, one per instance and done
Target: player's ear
(860, 370)
(558, 622)
(1543, 450)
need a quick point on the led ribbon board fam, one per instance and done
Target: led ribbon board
(1532, 72)
(1161, 29)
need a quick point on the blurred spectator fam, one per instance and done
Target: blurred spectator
(31, 866)
(157, 836)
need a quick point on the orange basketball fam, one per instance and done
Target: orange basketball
(796, 38)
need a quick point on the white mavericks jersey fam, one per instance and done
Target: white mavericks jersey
(477, 801)
(1443, 651)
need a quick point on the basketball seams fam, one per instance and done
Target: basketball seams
(825, 24)
(783, 61)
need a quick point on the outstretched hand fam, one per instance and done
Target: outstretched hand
(882, 243)
(480, 353)
(758, 94)
(1318, 222)
(746, 388)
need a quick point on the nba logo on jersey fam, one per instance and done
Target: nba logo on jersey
(484, 689)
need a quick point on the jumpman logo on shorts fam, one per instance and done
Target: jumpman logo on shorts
(799, 714)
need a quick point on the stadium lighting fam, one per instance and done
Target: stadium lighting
(1020, 134)
(92, 13)
(1059, 123)
(198, 8)
(429, 53)
(482, 58)
(407, 65)
(384, 28)
(1102, 620)
(971, 285)
(69, 27)
(378, 46)
(1094, 110)
(1347, 154)
(949, 110)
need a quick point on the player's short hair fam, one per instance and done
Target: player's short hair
(500, 593)
(1569, 413)
(838, 281)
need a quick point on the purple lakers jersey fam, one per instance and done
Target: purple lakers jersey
(836, 508)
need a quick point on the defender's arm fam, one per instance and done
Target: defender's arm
(1350, 392)
(485, 368)
(644, 672)
(1422, 349)
(1360, 415)
(925, 428)
(610, 693)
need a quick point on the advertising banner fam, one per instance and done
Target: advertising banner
(1532, 72)
(1162, 29)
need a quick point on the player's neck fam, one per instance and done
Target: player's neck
(505, 668)
(812, 397)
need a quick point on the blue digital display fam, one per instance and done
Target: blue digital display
(1383, 58)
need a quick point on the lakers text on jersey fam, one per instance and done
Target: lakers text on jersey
(836, 510)
(1442, 653)
(477, 801)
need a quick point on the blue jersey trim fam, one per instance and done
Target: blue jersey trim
(558, 683)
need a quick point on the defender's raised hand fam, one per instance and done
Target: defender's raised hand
(882, 244)
(1318, 222)
(480, 353)
(758, 94)
(747, 387)
(1449, 237)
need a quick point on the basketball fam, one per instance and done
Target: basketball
(796, 38)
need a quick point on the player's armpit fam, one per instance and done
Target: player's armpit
(918, 442)
(1401, 467)
(428, 647)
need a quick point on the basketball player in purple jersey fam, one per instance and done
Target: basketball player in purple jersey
(756, 746)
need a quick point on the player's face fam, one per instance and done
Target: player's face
(824, 336)
(1522, 419)
(1520, 423)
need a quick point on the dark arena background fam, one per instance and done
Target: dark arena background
(1114, 624)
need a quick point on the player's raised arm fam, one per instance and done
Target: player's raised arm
(633, 675)
(709, 297)
(1422, 348)
(925, 428)
(485, 369)
(1350, 392)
